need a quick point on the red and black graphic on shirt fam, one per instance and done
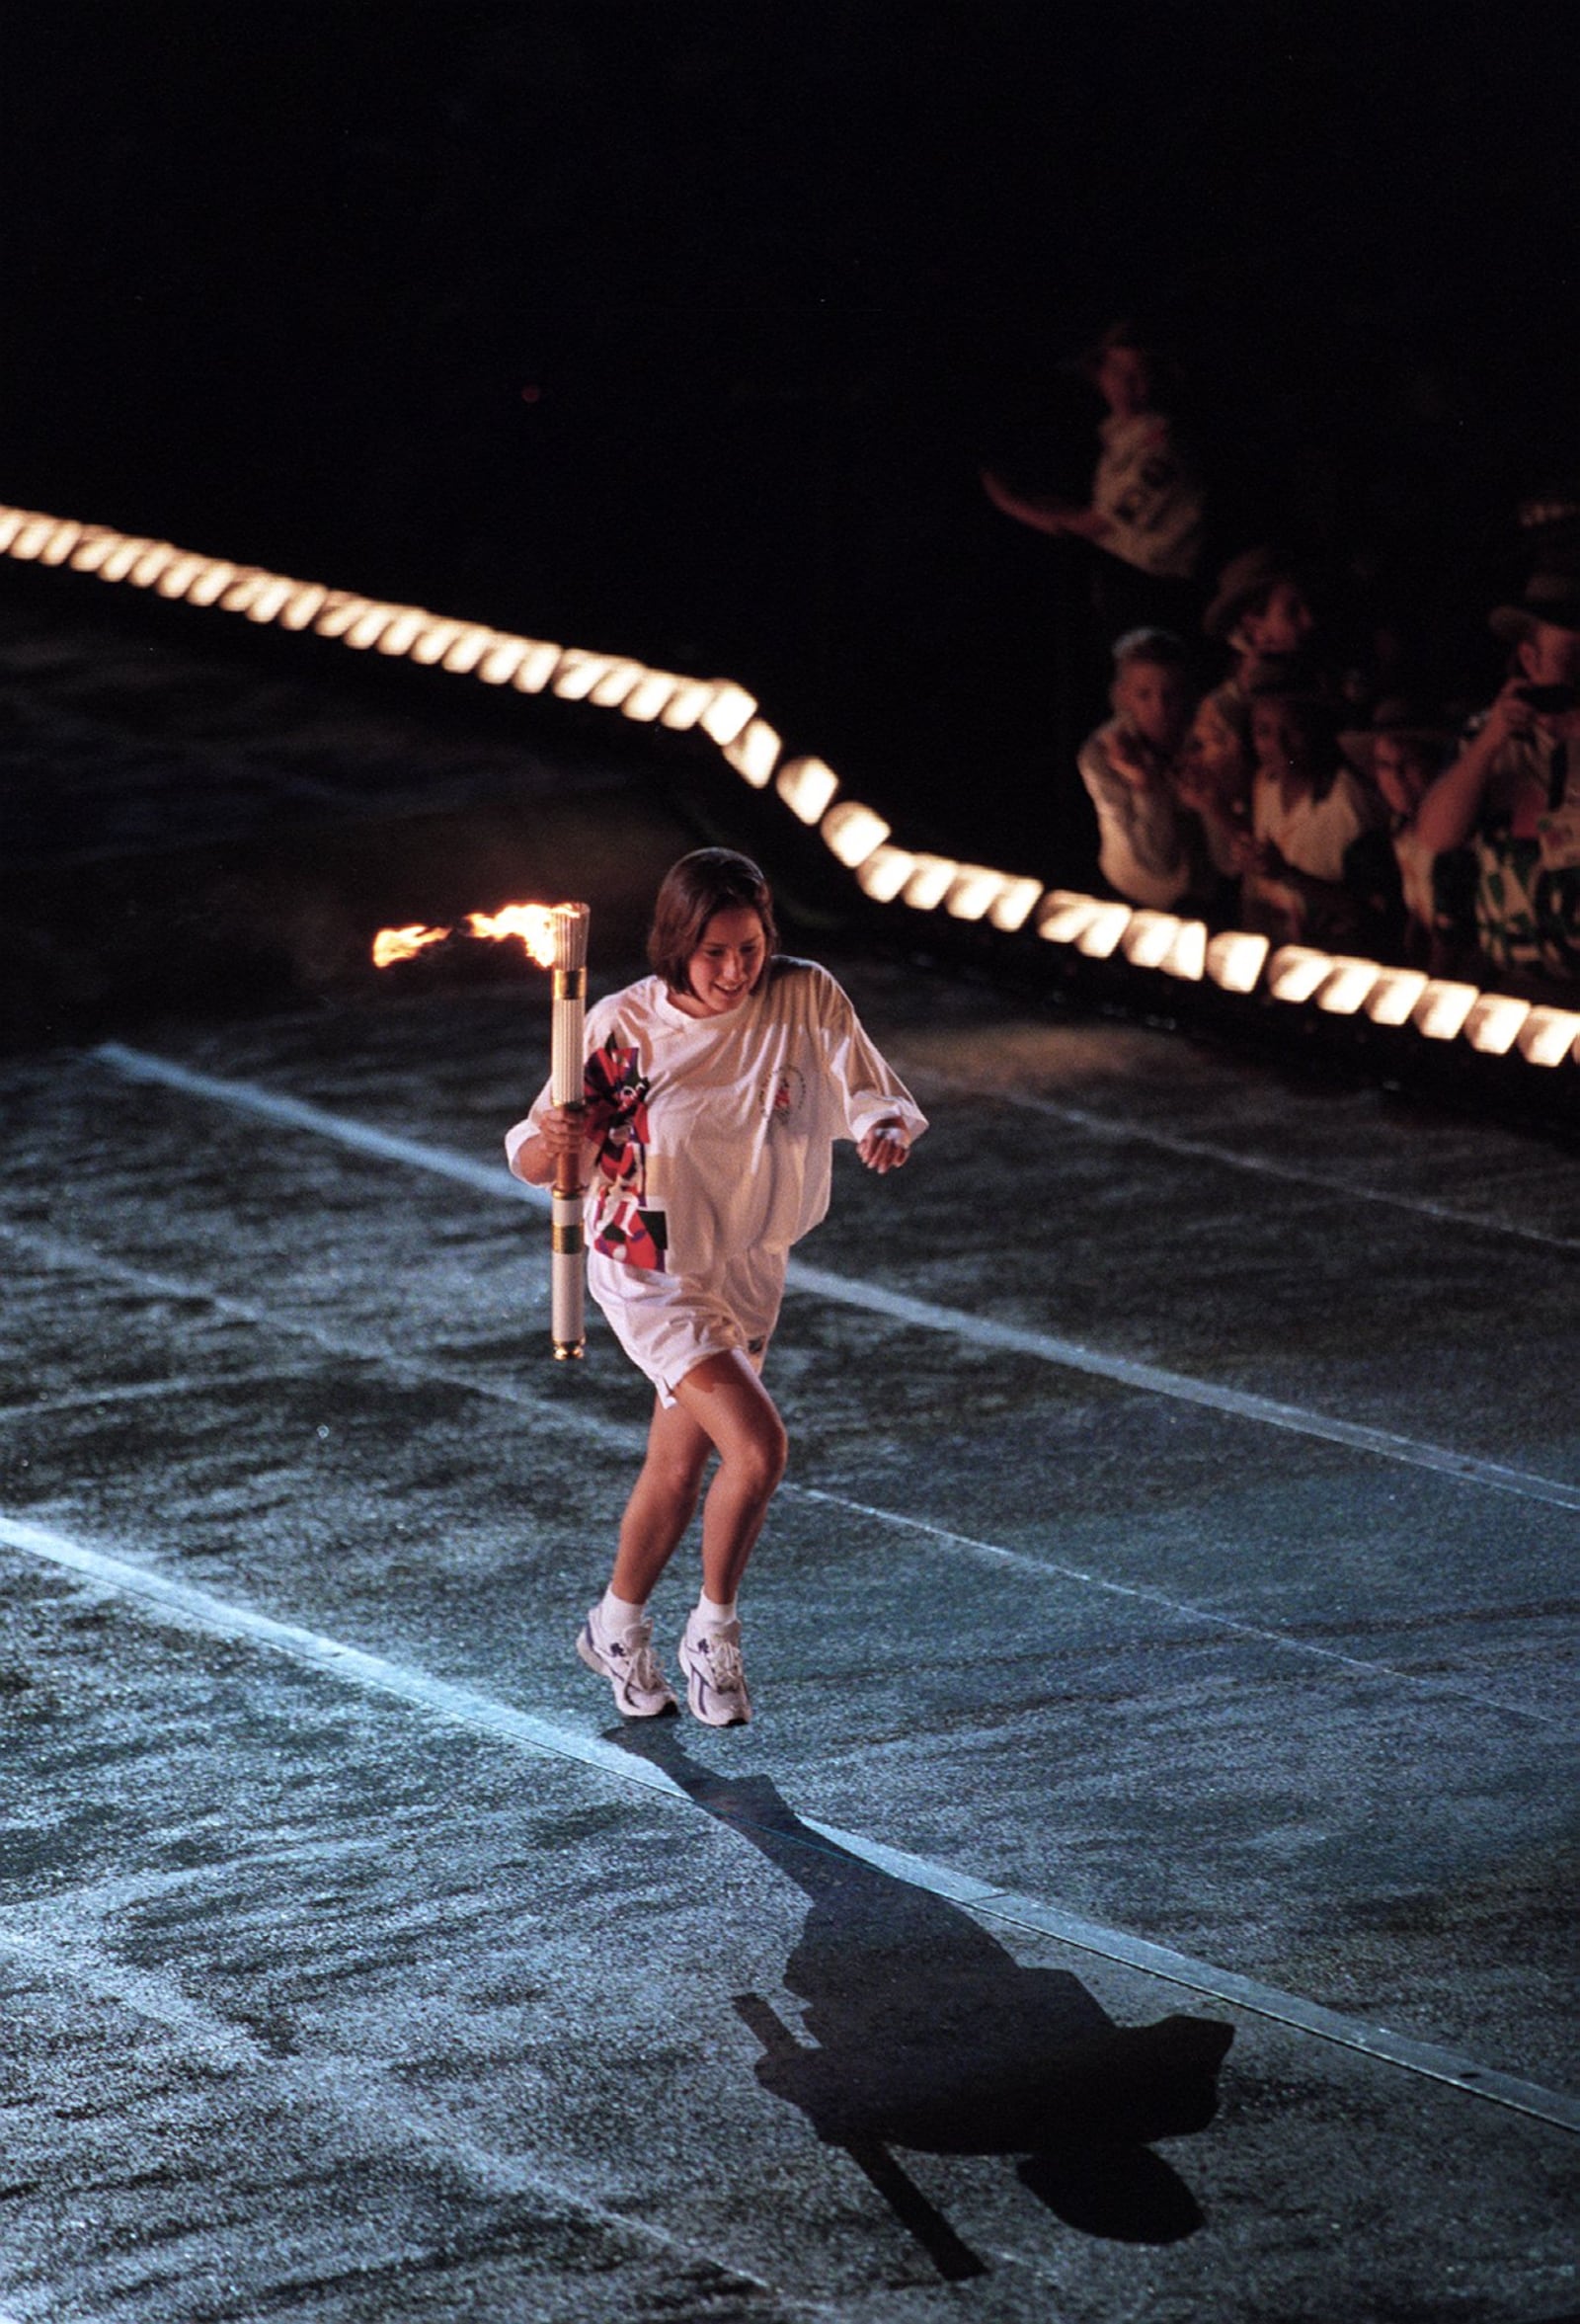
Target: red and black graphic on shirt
(616, 1091)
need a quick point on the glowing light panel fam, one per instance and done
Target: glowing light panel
(462, 657)
(687, 704)
(807, 786)
(613, 687)
(1441, 1009)
(1236, 959)
(1495, 1023)
(1148, 938)
(929, 883)
(1549, 1035)
(1294, 972)
(1393, 998)
(1187, 955)
(1064, 913)
(726, 712)
(650, 695)
(885, 873)
(755, 753)
(852, 832)
(1344, 990)
(539, 664)
(1100, 940)
(1014, 904)
(435, 640)
(973, 890)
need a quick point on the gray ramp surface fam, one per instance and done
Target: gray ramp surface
(1146, 1888)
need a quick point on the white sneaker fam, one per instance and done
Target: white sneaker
(628, 1662)
(715, 1683)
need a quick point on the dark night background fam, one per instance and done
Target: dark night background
(686, 328)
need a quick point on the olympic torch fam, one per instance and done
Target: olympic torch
(555, 937)
(567, 1283)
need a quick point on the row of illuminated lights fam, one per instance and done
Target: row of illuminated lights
(1339, 986)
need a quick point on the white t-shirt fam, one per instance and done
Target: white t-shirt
(716, 1132)
(1142, 847)
(1145, 487)
(1314, 835)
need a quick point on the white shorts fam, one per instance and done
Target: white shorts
(668, 1324)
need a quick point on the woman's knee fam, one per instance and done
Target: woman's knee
(675, 1472)
(759, 1460)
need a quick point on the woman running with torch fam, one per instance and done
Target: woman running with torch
(715, 1090)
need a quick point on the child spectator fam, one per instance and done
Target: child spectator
(1263, 613)
(1316, 867)
(1146, 508)
(1127, 764)
(1513, 795)
(1212, 780)
(1400, 753)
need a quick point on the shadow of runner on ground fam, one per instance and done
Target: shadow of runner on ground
(932, 2036)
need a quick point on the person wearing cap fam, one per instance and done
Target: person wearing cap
(1146, 508)
(1262, 611)
(1400, 754)
(1513, 794)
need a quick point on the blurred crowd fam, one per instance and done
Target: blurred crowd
(1256, 770)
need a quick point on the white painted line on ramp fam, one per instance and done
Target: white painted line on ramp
(443, 1699)
(295, 1113)
(365, 2092)
(1238, 1402)
(154, 1999)
(57, 1251)
(130, 1391)
(1053, 1569)
(1120, 1132)
(875, 1299)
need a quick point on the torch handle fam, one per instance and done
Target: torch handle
(567, 1277)
(567, 1281)
(566, 1036)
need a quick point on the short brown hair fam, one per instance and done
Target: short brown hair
(1157, 646)
(709, 880)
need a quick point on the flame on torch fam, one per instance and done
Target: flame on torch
(540, 928)
(392, 944)
(535, 924)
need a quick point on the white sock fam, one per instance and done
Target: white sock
(619, 1615)
(707, 1616)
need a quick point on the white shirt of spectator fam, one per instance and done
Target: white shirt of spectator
(1142, 850)
(1145, 488)
(1314, 835)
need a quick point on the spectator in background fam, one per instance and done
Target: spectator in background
(1262, 611)
(1146, 508)
(1213, 781)
(1513, 795)
(1143, 847)
(1400, 755)
(1549, 526)
(1316, 867)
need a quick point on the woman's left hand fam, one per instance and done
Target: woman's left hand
(885, 1147)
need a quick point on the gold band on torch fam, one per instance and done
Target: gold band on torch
(567, 1278)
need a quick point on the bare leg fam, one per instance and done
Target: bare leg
(662, 1501)
(728, 1400)
(721, 1407)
